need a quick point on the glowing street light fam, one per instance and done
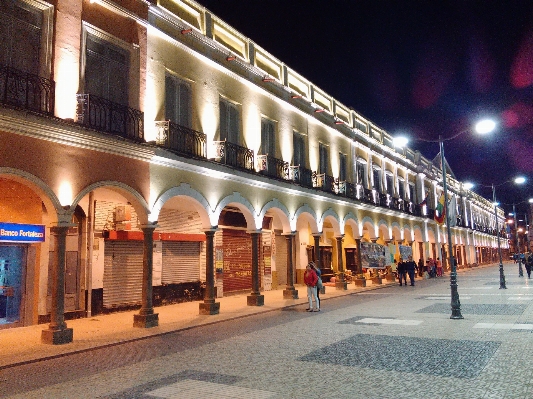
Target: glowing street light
(482, 127)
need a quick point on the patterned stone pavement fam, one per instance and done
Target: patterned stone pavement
(392, 342)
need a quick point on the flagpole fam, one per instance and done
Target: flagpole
(455, 303)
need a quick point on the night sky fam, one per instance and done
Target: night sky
(416, 68)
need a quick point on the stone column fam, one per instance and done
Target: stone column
(317, 249)
(57, 332)
(209, 306)
(340, 284)
(255, 298)
(146, 317)
(290, 292)
(359, 279)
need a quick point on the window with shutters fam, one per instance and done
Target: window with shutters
(177, 101)
(376, 175)
(361, 173)
(230, 124)
(24, 33)
(323, 162)
(412, 193)
(107, 68)
(268, 134)
(298, 148)
(342, 166)
(390, 183)
(401, 188)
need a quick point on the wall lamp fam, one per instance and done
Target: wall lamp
(185, 31)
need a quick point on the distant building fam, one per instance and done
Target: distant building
(150, 154)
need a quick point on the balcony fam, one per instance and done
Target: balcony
(346, 189)
(324, 182)
(104, 115)
(302, 176)
(181, 140)
(234, 155)
(273, 167)
(26, 90)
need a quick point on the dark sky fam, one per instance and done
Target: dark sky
(421, 68)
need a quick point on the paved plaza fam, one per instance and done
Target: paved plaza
(377, 342)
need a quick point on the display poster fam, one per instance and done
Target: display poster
(405, 251)
(392, 254)
(426, 249)
(372, 256)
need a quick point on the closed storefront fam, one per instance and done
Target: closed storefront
(237, 253)
(123, 271)
(181, 262)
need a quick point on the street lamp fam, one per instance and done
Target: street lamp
(517, 180)
(482, 127)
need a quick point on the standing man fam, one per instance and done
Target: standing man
(401, 272)
(410, 267)
(529, 263)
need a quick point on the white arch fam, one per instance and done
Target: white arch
(330, 213)
(368, 220)
(200, 204)
(351, 220)
(137, 200)
(252, 219)
(25, 177)
(306, 209)
(279, 209)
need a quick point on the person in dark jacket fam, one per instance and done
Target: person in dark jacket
(401, 272)
(410, 267)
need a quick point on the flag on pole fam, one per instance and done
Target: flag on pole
(452, 210)
(440, 212)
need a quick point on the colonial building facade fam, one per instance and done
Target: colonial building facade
(150, 153)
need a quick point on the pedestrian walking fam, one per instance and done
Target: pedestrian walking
(420, 267)
(401, 272)
(439, 268)
(409, 267)
(529, 264)
(310, 280)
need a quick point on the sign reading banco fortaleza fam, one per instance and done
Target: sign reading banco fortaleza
(16, 232)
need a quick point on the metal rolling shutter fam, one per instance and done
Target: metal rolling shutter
(181, 262)
(281, 259)
(237, 260)
(123, 272)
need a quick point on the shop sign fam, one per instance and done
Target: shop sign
(15, 232)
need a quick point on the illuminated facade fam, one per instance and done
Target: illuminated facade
(167, 155)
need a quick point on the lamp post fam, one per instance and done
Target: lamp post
(520, 271)
(455, 303)
(482, 127)
(502, 276)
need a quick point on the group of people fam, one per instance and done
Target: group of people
(433, 267)
(312, 275)
(405, 268)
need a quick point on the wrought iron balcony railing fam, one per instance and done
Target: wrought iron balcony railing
(26, 90)
(234, 155)
(324, 182)
(346, 189)
(104, 115)
(181, 139)
(301, 175)
(273, 167)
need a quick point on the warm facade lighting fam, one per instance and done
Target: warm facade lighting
(185, 31)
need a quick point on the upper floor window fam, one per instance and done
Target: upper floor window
(323, 161)
(268, 134)
(412, 193)
(230, 122)
(21, 30)
(376, 176)
(177, 101)
(390, 183)
(298, 148)
(401, 188)
(342, 166)
(361, 173)
(107, 68)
